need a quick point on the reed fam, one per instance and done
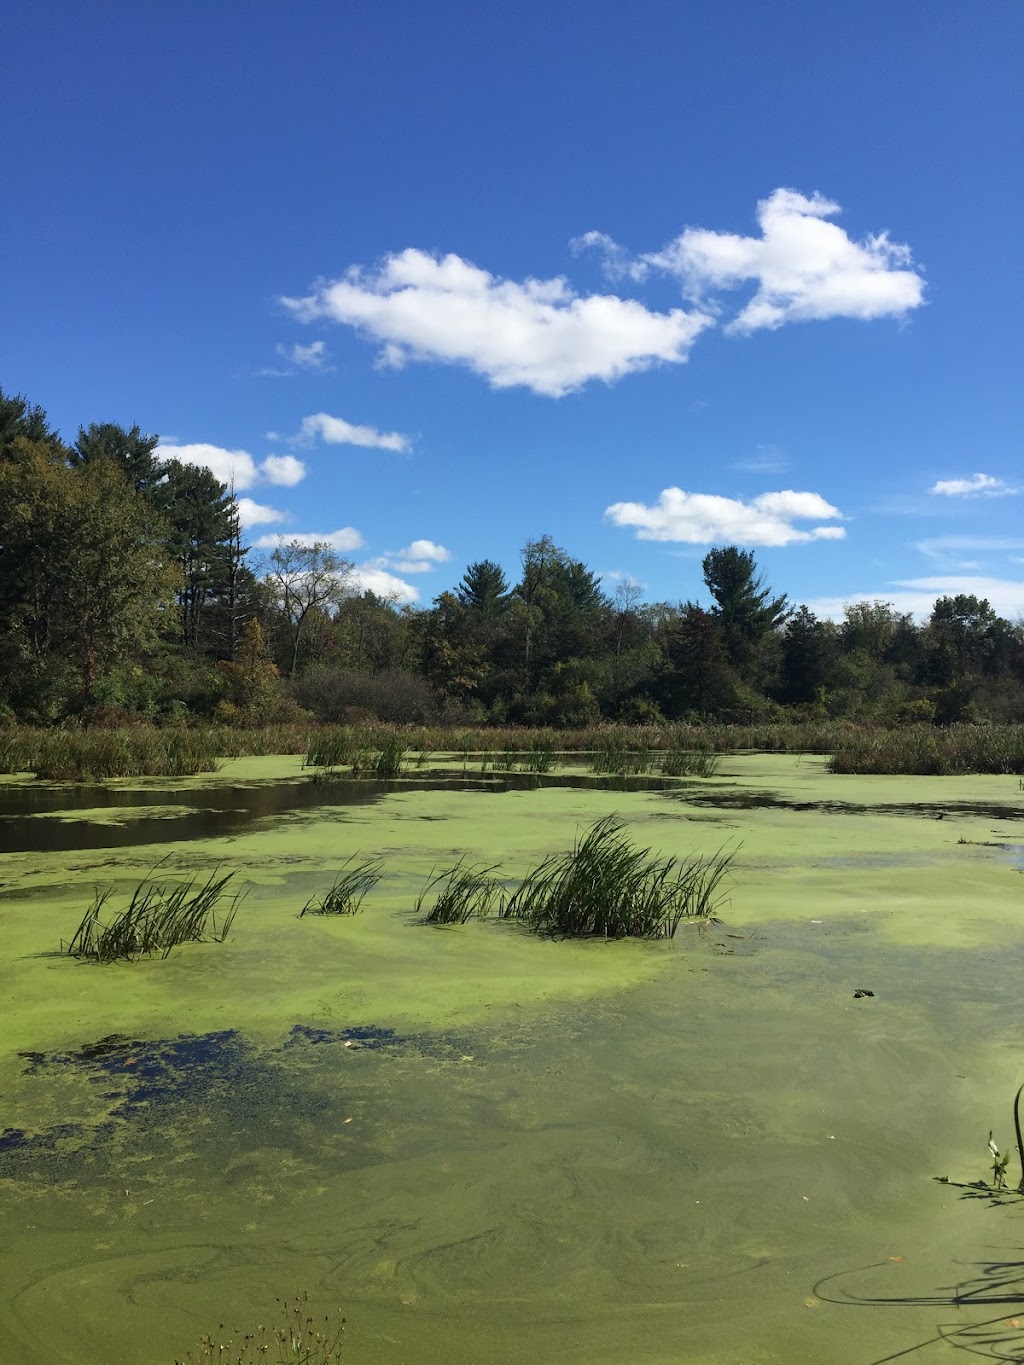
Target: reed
(927, 751)
(606, 887)
(350, 886)
(683, 762)
(157, 919)
(459, 892)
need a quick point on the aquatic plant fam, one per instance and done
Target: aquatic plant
(618, 758)
(683, 762)
(605, 886)
(928, 751)
(539, 758)
(158, 918)
(460, 892)
(350, 886)
(298, 1340)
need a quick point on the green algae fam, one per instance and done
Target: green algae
(483, 1146)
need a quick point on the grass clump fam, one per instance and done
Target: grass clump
(298, 1340)
(931, 752)
(460, 892)
(350, 886)
(680, 761)
(617, 756)
(607, 887)
(158, 918)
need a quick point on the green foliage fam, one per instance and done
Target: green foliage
(157, 919)
(350, 886)
(606, 887)
(932, 752)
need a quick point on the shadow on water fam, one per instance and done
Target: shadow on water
(193, 1091)
(988, 1285)
(213, 810)
(180, 814)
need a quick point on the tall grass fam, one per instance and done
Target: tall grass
(350, 886)
(157, 918)
(605, 886)
(680, 761)
(459, 892)
(923, 750)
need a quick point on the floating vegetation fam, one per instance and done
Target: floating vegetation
(460, 892)
(350, 886)
(298, 1340)
(158, 918)
(605, 886)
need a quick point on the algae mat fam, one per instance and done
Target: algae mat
(486, 1147)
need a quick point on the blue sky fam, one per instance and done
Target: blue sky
(436, 279)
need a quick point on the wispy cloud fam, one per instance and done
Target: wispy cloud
(950, 548)
(977, 486)
(539, 334)
(336, 431)
(706, 519)
(918, 595)
(298, 358)
(767, 459)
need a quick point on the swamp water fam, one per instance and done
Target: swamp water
(486, 1147)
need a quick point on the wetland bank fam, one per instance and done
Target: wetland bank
(485, 1145)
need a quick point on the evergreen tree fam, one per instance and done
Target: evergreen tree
(745, 605)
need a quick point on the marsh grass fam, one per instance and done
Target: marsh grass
(460, 893)
(617, 758)
(350, 886)
(298, 1340)
(157, 919)
(931, 752)
(683, 762)
(607, 887)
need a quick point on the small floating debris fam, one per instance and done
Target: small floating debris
(860, 993)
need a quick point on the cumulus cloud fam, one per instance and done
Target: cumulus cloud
(284, 470)
(336, 431)
(311, 357)
(805, 267)
(346, 538)
(420, 557)
(367, 578)
(236, 468)
(536, 333)
(977, 486)
(257, 513)
(918, 595)
(618, 264)
(706, 519)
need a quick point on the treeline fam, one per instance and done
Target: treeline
(126, 591)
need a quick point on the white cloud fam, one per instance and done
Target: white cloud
(705, 518)
(346, 538)
(257, 513)
(311, 357)
(236, 468)
(805, 267)
(366, 578)
(535, 333)
(420, 557)
(918, 595)
(977, 486)
(284, 470)
(615, 259)
(336, 431)
(951, 547)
